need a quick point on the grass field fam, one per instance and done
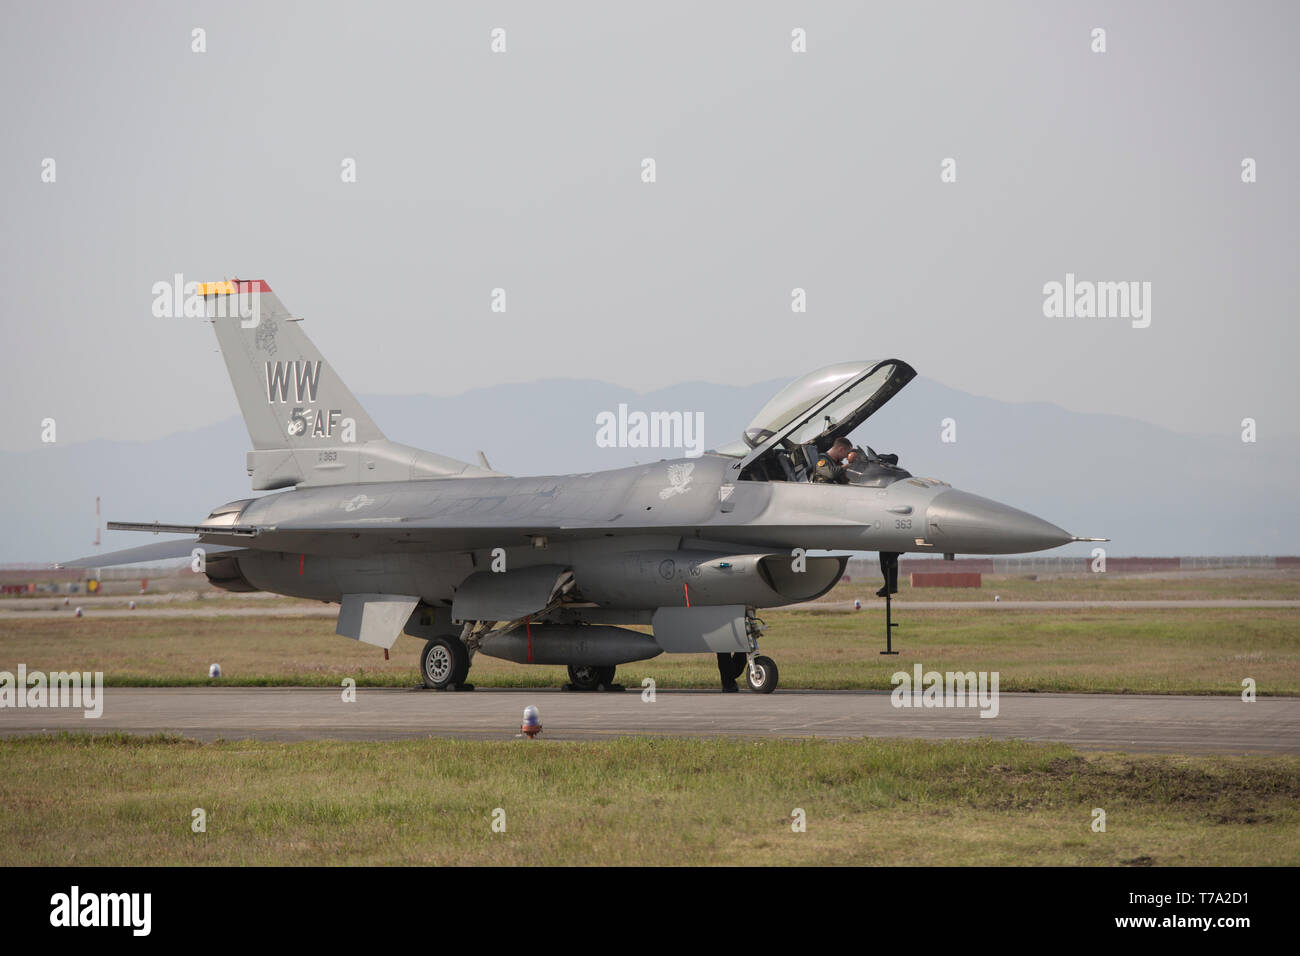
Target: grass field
(1270, 584)
(129, 800)
(1102, 650)
(116, 799)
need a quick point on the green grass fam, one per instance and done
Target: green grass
(1103, 650)
(117, 799)
(1238, 584)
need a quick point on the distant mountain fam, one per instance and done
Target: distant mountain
(1153, 491)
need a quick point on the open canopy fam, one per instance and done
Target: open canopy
(829, 403)
(804, 418)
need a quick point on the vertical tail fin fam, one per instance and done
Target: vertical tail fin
(289, 395)
(306, 426)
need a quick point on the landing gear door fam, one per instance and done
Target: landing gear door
(718, 628)
(509, 595)
(375, 618)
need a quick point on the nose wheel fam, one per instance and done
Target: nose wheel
(763, 675)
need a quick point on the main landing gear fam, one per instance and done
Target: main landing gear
(444, 664)
(592, 677)
(445, 661)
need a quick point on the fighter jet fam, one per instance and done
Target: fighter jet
(557, 569)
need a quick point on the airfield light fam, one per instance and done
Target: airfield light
(532, 725)
(214, 671)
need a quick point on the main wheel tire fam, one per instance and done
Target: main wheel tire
(444, 662)
(764, 677)
(590, 676)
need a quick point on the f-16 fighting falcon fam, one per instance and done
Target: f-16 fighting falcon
(557, 569)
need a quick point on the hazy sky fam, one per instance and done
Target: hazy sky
(775, 170)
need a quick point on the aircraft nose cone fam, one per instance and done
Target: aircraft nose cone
(960, 521)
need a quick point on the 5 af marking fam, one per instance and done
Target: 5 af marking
(319, 421)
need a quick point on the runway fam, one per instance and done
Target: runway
(1132, 723)
(329, 611)
(988, 604)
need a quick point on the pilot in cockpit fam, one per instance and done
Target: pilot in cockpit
(830, 466)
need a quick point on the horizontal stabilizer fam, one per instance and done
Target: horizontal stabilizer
(158, 528)
(158, 551)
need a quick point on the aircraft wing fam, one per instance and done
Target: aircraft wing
(352, 537)
(447, 532)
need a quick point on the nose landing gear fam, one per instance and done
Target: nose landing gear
(762, 673)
